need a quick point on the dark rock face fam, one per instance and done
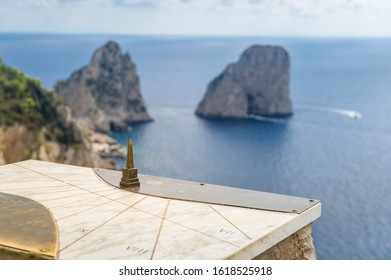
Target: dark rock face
(257, 84)
(105, 94)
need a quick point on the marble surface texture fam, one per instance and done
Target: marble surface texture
(98, 221)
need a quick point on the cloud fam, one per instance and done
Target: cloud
(56, 3)
(71, 1)
(225, 17)
(300, 7)
(227, 2)
(42, 3)
(136, 3)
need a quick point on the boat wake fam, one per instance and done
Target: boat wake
(347, 113)
(265, 119)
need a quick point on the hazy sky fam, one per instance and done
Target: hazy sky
(199, 17)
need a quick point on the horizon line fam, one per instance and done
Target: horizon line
(197, 35)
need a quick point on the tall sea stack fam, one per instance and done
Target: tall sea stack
(257, 84)
(105, 94)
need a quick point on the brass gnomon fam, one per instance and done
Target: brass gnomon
(129, 177)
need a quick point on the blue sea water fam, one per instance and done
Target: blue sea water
(320, 152)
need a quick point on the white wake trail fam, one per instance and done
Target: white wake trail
(265, 119)
(344, 112)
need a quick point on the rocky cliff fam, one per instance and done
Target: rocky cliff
(257, 84)
(34, 125)
(105, 94)
(20, 142)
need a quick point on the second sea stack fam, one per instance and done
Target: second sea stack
(258, 84)
(105, 94)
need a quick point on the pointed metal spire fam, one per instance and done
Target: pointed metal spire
(129, 173)
(129, 158)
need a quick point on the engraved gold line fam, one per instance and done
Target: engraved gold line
(69, 202)
(203, 233)
(72, 184)
(47, 180)
(229, 221)
(192, 229)
(91, 231)
(71, 194)
(60, 191)
(93, 207)
(41, 163)
(171, 221)
(160, 228)
(35, 188)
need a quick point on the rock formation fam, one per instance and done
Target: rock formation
(257, 84)
(105, 94)
(20, 142)
(298, 246)
(34, 126)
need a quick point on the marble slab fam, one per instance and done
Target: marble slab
(130, 235)
(73, 228)
(98, 221)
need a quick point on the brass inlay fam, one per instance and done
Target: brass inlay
(222, 216)
(129, 173)
(27, 229)
(160, 229)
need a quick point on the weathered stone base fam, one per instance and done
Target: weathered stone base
(298, 246)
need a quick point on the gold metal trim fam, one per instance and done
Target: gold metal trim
(27, 229)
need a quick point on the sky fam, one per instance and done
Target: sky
(336, 18)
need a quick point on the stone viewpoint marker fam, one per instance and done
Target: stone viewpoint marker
(57, 211)
(106, 93)
(258, 84)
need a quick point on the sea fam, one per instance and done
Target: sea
(336, 147)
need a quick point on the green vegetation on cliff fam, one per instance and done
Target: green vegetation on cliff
(23, 100)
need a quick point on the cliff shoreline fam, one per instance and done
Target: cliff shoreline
(70, 125)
